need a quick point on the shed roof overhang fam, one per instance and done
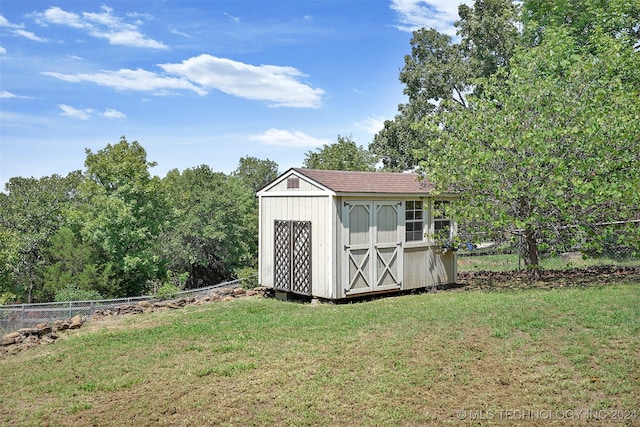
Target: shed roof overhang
(362, 184)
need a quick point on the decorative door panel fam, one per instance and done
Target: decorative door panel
(358, 219)
(292, 256)
(373, 241)
(387, 245)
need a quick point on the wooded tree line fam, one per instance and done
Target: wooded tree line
(532, 114)
(115, 230)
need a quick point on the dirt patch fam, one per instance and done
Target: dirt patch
(550, 279)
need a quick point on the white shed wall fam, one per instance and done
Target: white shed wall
(318, 210)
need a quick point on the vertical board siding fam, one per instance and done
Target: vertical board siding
(427, 266)
(315, 209)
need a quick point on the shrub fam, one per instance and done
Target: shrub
(249, 277)
(167, 291)
(72, 293)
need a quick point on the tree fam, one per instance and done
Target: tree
(583, 18)
(550, 147)
(73, 264)
(214, 224)
(122, 213)
(256, 173)
(32, 211)
(440, 74)
(342, 155)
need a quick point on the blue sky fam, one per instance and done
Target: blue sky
(199, 82)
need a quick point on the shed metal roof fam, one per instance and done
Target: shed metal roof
(368, 182)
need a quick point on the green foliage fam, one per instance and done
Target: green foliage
(123, 212)
(32, 211)
(439, 74)
(117, 231)
(249, 276)
(167, 290)
(549, 147)
(532, 117)
(214, 225)
(583, 19)
(8, 298)
(342, 155)
(76, 264)
(256, 173)
(72, 293)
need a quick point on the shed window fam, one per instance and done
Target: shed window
(293, 183)
(441, 219)
(413, 215)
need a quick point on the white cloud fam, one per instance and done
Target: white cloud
(103, 25)
(88, 113)
(288, 139)
(7, 95)
(372, 125)
(113, 114)
(233, 18)
(29, 35)
(4, 22)
(2, 50)
(180, 33)
(82, 114)
(18, 29)
(125, 79)
(438, 14)
(280, 86)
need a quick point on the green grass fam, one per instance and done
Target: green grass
(509, 262)
(409, 360)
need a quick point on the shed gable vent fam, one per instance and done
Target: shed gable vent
(293, 183)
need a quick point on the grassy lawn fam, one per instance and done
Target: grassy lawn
(509, 262)
(567, 356)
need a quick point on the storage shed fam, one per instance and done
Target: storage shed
(339, 234)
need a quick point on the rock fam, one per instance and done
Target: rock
(251, 293)
(31, 340)
(60, 325)
(43, 328)
(172, 304)
(28, 331)
(76, 322)
(11, 338)
(228, 298)
(239, 291)
(145, 304)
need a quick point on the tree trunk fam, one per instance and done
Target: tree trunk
(532, 260)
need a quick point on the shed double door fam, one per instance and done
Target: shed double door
(372, 246)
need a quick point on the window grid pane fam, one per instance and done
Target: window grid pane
(413, 221)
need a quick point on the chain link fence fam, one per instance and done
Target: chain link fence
(16, 316)
(503, 250)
